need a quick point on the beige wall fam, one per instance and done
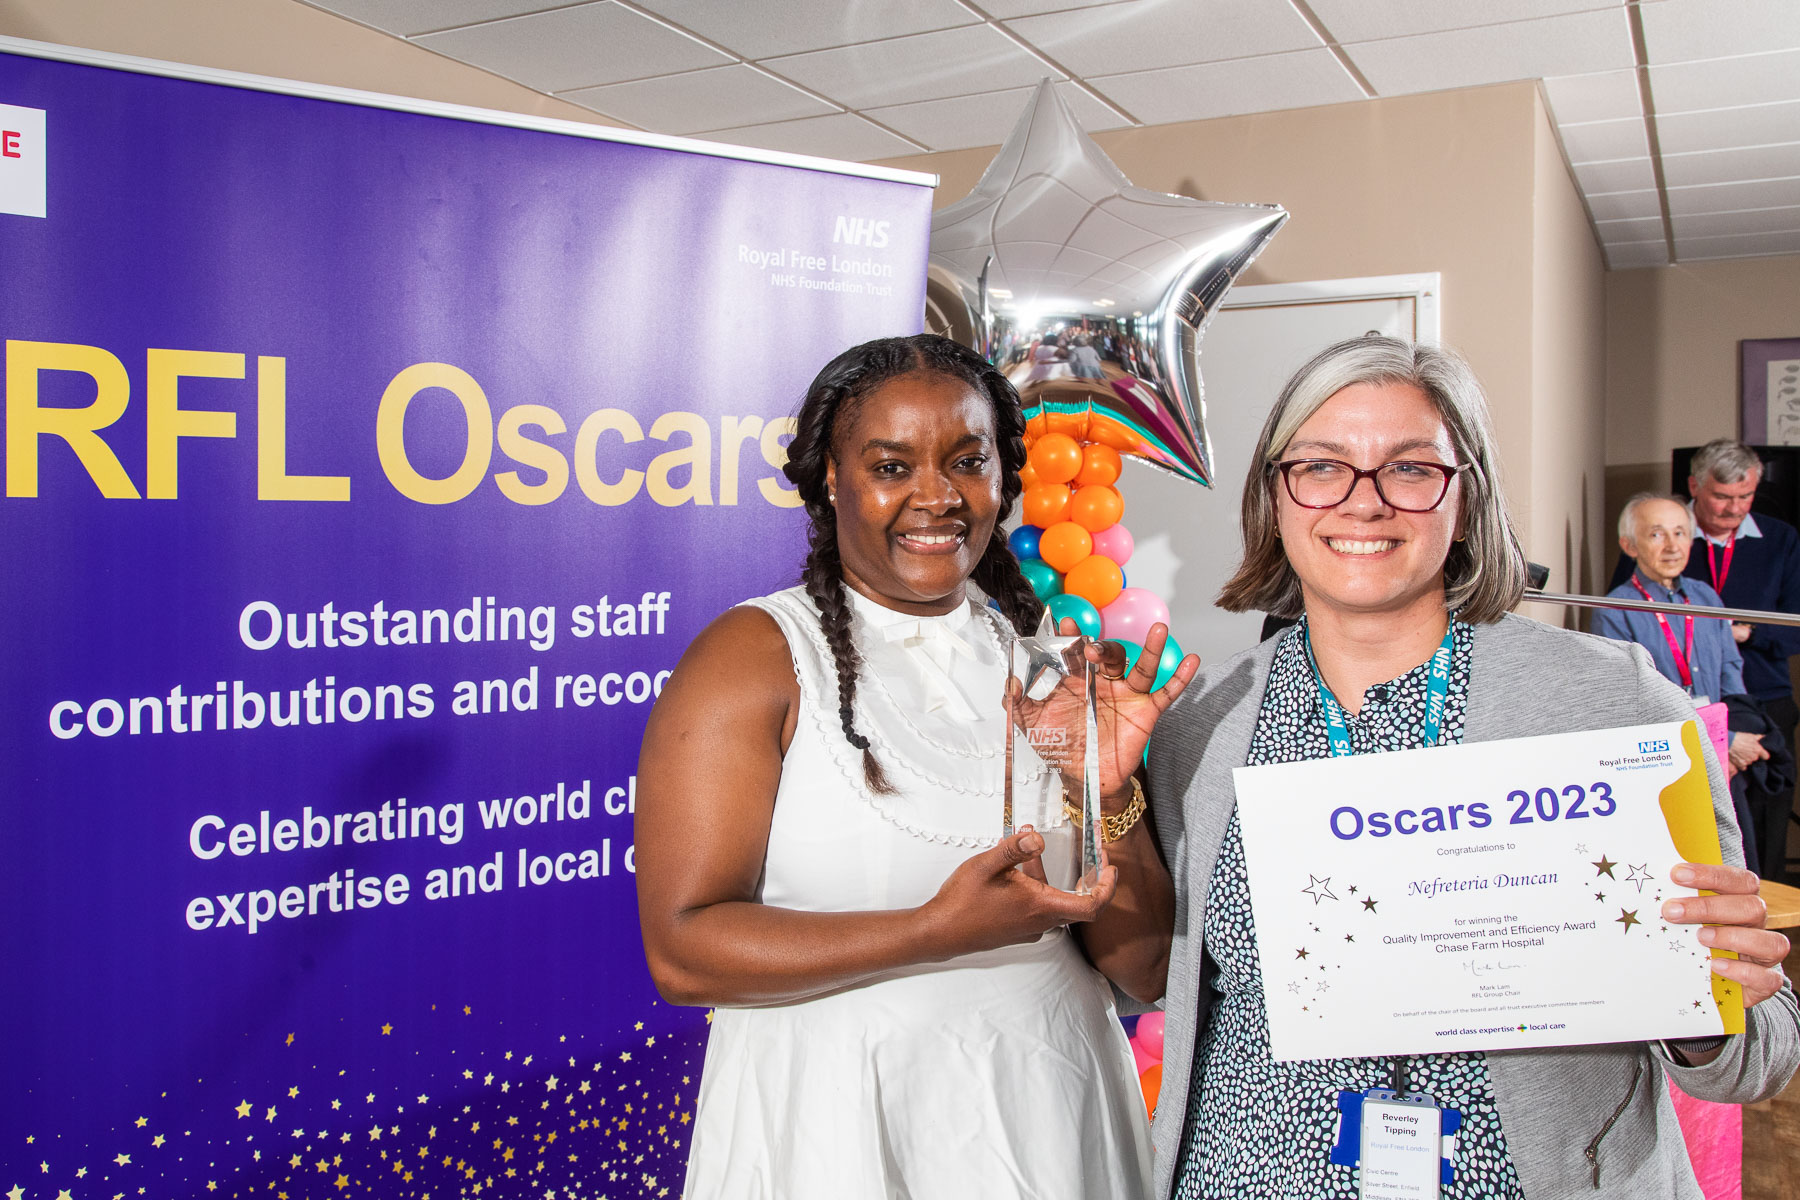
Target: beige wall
(1568, 382)
(274, 37)
(1466, 183)
(1672, 338)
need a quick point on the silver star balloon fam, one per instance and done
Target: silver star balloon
(1090, 293)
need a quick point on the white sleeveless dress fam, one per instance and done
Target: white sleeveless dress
(996, 1075)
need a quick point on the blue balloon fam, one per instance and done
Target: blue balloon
(1085, 615)
(1024, 541)
(1042, 577)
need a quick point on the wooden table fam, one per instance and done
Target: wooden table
(1783, 902)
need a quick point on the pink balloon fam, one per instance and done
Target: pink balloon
(1144, 1059)
(1150, 1034)
(1117, 542)
(1132, 614)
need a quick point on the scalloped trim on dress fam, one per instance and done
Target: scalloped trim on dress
(827, 679)
(847, 758)
(894, 705)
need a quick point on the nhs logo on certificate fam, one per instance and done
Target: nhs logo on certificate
(1483, 896)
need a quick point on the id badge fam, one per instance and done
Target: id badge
(1402, 1142)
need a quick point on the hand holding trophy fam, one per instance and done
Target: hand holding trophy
(1077, 724)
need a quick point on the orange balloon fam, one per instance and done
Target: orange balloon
(1065, 544)
(1100, 465)
(1151, 1083)
(1096, 579)
(1057, 457)
(1046, 504)
(1095, 508)
(1028, 477)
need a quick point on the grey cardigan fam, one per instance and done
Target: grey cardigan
(1582, 1121)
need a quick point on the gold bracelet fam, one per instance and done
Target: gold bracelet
(1115, 827)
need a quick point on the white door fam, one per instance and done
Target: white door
(1188, 537)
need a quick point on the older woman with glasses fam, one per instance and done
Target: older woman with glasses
(1373, 513)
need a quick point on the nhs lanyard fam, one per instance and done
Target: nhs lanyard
(1717, 570)
(1437, 691)
(1681, 660)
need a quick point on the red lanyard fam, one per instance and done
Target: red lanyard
(1718, 572)
(1681, 660)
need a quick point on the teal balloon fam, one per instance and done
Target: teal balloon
(1165, 666)
(1086, 616)
(1042, 577)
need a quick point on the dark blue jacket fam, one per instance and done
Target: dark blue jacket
(1765, 574)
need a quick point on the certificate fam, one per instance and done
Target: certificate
(1482, 897)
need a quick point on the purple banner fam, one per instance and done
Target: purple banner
(366, 474)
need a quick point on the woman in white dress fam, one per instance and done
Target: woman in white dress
(899, 1011)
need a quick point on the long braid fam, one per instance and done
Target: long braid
(823, 577)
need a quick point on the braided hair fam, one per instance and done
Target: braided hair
(831, 404)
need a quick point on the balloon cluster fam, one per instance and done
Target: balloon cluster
(1146, 1036)
(1072, 548)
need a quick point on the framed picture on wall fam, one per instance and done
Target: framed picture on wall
(1769, 391)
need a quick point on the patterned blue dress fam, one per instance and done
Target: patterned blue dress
(1257, 1128)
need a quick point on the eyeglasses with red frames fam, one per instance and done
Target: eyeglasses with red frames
(1405, 485)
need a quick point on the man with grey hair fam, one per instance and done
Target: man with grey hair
(1752, 561)
(1697, 654)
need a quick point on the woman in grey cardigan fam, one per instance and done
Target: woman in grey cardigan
(1373, 512)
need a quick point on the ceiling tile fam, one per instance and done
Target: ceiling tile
(1601, 96)
(1632, 229)
(1568, 45)
(1682, 30)
(1620, 205)
(759, 30)
(1756, 220)
(928, 66)
(1637, 254)
(985, 120)
(1006, 9)
(1730, 197)
(575, 47)
(1146, 34)
(409, 17)
(1724, 166)
(841, 135)
(1361, 21)
(1726, 82)
(694, 101)
(1728, 128)
(1738, 247)
(1240, 85)
(1624, 175)
(1766, 221)
(1598, 141)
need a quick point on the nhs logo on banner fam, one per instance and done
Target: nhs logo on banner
(860, 231)
(22, 161)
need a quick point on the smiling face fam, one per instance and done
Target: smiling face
(917, 474)
(1364, 556)
(1661, 536)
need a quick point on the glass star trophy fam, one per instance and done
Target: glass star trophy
(1052, 736)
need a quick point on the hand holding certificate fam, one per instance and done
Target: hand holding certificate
(1486, 896)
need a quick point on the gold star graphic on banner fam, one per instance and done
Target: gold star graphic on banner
(1604, 867)
(1627, 919)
